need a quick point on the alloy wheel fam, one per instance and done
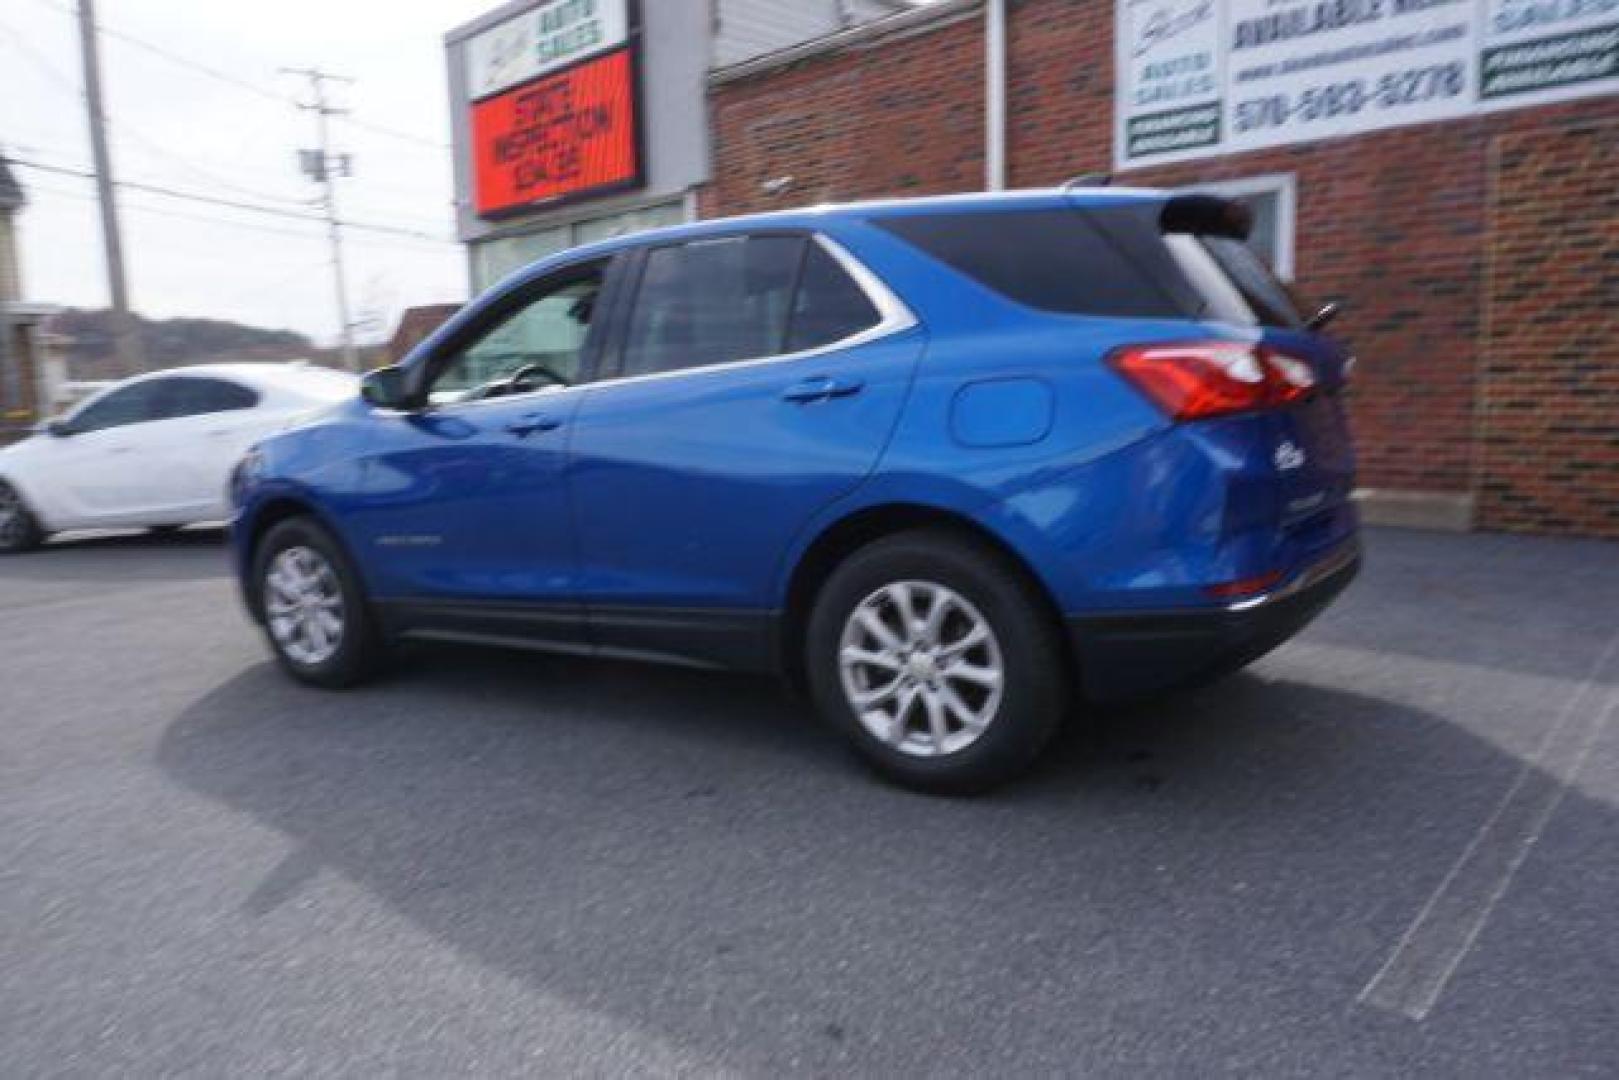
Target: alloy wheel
(303, 605)
(921, 667)
(13, 518)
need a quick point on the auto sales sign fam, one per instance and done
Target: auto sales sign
(1205, 77)
(554, 109)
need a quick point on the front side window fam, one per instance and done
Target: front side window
(712, 302)
(540, 344)
(133, 404)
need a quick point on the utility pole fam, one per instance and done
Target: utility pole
(319, 165)
(126, 341)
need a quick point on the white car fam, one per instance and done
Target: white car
(154, 451)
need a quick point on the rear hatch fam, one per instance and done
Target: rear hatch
(1193, 248)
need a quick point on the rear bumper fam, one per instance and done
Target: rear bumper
(1128, 654)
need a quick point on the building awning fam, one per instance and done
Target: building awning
(20, 311)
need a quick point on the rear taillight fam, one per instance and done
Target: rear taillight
(1198, 379)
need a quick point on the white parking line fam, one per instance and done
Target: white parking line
(1426, 957)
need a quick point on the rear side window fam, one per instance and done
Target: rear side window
(1110, 260)
(1055, 260)
(193, 396)
(712, 302)
(829, 306)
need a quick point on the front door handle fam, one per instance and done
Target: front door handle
(821, 389)
(528, 425)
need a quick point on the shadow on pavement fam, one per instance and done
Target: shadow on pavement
(188, 554)
(1207, 880)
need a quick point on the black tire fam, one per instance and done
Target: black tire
(19, 529)
(1034, 688)
(359, 644)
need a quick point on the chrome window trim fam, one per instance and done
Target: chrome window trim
(893, 317)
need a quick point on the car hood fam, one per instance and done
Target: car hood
(20, 449)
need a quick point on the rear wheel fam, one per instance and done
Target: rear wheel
(936, 657)
(313, 606)
(19, 529)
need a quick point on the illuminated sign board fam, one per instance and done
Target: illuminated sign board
(543, 39)
(560, 136)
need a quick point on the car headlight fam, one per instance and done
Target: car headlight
(246, 472)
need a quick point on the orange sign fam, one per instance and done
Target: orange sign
(557, 137)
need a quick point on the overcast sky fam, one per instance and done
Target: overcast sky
(175, 127)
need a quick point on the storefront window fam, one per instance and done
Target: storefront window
(494, 259)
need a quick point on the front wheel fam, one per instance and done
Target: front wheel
(19, 529)
(313, 606)
(936, 656)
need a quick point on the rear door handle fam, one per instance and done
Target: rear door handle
(821, 389)
(528, 425)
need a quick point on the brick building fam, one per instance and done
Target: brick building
(1470, 229)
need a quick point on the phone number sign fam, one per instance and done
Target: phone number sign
(1204, 77)
(561, 136)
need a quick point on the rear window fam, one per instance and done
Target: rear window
(1114, 261)
(1268, 297)
(1055, 260)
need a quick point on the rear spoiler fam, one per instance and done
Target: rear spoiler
(1206, 215)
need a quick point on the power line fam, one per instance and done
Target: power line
(234, 204)
(46, 66)
(122, 130)
(245, 85)
(395, 133)
(400, 220)
(207, 174)
(232, 223)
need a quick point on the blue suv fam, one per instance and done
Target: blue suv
(949, 464)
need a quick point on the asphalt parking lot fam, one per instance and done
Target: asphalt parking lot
(1391, 848)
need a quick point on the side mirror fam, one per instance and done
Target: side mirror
(58, 429)
(386, 388)
(1327, 313)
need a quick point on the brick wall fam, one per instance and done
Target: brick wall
(898, 117)
(1395, 224)
(1549, 403)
